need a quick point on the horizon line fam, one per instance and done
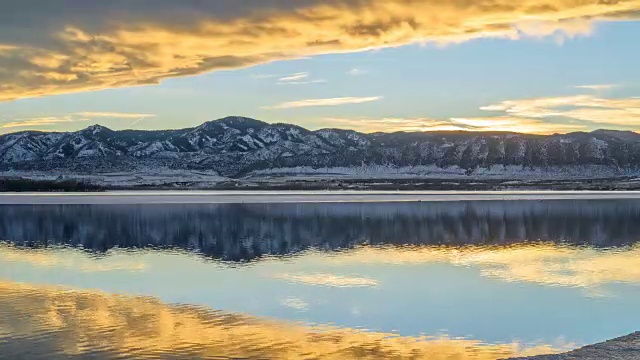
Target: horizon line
(323, 129)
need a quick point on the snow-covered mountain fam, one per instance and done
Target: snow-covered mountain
(238, 146)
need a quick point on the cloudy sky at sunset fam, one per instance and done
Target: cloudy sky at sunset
(539, 66)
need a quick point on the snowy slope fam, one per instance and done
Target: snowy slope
(238, 147)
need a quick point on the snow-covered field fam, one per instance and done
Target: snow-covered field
(220, 197)
(203, 179)
(145, 178)
(452, 172)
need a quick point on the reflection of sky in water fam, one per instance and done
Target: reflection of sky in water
(52, 323)
(465, 269)
(537, 294)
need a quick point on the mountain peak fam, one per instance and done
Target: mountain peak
(95, 129)
(241, 121)
(235, 122)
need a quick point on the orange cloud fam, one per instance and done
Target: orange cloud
(100, 45)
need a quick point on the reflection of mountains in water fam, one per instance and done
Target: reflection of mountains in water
(238, 232)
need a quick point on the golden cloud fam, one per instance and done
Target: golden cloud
(99, 45)
(81, 116)
(56, 323)
(587, 108)
(498, 123)
(515, 124)
(37, 122)
(369, 125)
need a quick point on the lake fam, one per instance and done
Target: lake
(469, 276)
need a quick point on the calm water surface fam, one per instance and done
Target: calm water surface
(464, 279)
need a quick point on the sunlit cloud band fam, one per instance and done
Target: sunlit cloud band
(73, 46)
(323, 102)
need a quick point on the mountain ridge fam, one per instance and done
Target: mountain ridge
(237, 146)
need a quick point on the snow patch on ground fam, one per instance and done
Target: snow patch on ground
(144, 178)
(512, 175)
(453, 172)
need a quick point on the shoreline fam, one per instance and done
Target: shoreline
(622, 348)
(275, 197)
(123, 182)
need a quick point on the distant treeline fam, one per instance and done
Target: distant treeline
(22, 185)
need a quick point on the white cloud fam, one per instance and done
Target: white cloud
(330, 280)
(295, 303)
(301, 78)
(323, 102)
(357, 71)
(294, 77)
(115, 115)
(318, 81)
(599, 87)
(263, 76)
(515, 124)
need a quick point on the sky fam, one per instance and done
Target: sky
(543, 66)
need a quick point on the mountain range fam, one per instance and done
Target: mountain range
(236, 147)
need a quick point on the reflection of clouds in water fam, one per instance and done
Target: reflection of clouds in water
(65, 258)
(546, 263)
(55, 323)
(331, 280)
(542, 263)
(295, 303)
